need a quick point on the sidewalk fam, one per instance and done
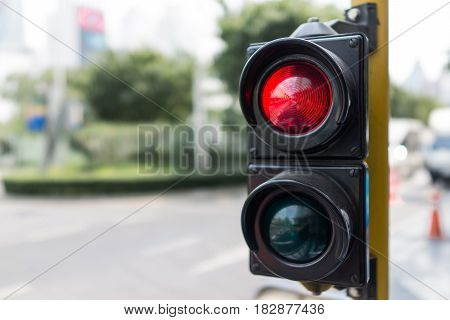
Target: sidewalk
(420, 267)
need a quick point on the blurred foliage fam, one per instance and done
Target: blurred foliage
(260, 22)
(232, 116)
(405, 104)
(104, 143)
(25, 88)
(157, 146)
(141, 85)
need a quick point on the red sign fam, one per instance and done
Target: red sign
(90, 19)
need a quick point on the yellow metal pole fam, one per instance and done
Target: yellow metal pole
(378, 148)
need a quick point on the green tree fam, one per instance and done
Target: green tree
(259, 22)
(405, 104)
(160, 87)
(25, 88)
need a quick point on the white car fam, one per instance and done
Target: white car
(437, 159)
(407, 138)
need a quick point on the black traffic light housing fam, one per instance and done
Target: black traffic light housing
(320, 175)
(344, 135)
(342, 192)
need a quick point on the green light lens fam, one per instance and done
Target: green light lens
(296, 228)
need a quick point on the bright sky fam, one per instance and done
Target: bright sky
(190, 25)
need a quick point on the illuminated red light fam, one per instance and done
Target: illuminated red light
(296, 98)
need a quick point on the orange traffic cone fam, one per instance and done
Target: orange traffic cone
(435, 227)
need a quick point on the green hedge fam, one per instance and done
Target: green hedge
(42, 185)
(104, 143)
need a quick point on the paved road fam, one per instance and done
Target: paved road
(420, 267)
(179, 245)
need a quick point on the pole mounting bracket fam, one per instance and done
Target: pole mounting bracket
(362, 18)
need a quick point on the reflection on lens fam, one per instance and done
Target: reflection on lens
(296, 228)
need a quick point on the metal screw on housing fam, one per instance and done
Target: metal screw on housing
(353, 43)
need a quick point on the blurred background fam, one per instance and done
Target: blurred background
(78, 79)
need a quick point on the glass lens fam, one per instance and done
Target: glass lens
(297, 98)
(296, 228)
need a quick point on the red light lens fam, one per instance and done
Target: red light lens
(296, 98)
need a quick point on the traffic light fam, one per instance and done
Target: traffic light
(305, 100)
